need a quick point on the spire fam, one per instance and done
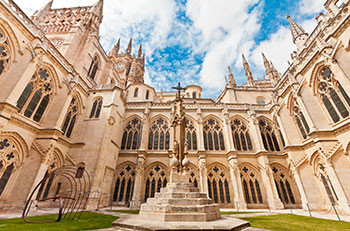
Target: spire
(128, 50)
(266, 64)
(226, 81)
(298, 33)
(97, 8)
(115, 49)
(140, 52)
(231, 78)
(40, 14)
(248, 72)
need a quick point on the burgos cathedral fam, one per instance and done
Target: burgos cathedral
(275, 143)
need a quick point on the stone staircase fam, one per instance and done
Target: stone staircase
(180, 202)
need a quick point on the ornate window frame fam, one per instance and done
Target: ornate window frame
(132, 134)
(219, 184)
(159, 134)
(213, 135)
(240, 135)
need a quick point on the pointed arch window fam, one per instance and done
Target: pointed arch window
(251, 186)
(159, 135)
(136, 92)
(156, 179)
(191, 135)
(321, 172)
(213, 135)
(96, 108)
(301, 121)
(9, 158)
(269, 138)
(36, 95)
(132, 135)
(123, 184)
(71, 118)
(333, 95)
(147, 94)
(4, 52)
(218, 185)
(240, 136)
(193, 176)
(93, 68)
(285, 186)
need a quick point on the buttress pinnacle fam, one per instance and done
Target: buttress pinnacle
(128, 50)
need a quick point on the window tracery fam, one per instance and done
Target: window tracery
(36, 96)
(251, 186)
(213, 135)
(159, 135)
(240, 136)
(156, 178)
(93, 68)
(123, 189)
(284, 185)
(268, 136)
(322, 174)
(9, 161)
(193, 176)
(191, 135)
(301, 121)
(4, 52)
(333, 95)
(96, 108)
(132, 135)
(219, 185)
(71, 117)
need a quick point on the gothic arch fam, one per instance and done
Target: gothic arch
(20, 143)
(314, 75)
(131, 138)
(194, 175)
(129, 118)
(240, 133)
(53, 72)
(159, 133)
(156, 177)
(76, 93)
(211, 116)
(270, 135)
(123, 183)
(219, 184)
(12, 38)
(96, 107)
(213, 137)
(191, 134)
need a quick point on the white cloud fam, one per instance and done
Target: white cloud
(311, 6)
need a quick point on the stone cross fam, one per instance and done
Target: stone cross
(179, 89)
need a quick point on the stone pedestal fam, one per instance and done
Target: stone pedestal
(180, 202)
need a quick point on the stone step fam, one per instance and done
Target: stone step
(202, 217)
(179, 201)
(158, 208)
(180, 195)
(187, 189)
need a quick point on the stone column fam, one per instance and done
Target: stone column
(271, 192)
(203, 179)
(228, 133)
(343, 203)
(300, 186)
(238, 197)
(145, 130)
(137, 199)
(255, 131)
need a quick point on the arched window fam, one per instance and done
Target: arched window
(284, 186)
(193, 176)
(213, 135)
(260, 100)
(219, 185)
(147, 94)
(301, 121)
(251, 186)
(156, 178)
(159, 135)
(71, 118)
(321, 172)
(333, 95)
(9, 158)
(45, 187)
(136, 92)
(4, 52)
(123, 189)
(132, 135)
(93, 68)
(96, 108)
(268, 136)
(36, 96)
(194, 95)
(191, 135)
(240, 136)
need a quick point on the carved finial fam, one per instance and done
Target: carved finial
(299, 35)
(97, 8)
(139, 52)
(128, 50)
(115, 49)
(248, 72)
(231, 77)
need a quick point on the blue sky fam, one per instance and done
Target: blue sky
(193, 41)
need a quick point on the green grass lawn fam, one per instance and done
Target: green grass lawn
(289, 222)
(125, 211)
(87, 221)
(234, 212)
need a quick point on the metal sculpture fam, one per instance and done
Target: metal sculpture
(75, 187)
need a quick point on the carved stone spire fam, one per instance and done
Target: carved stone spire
(116, 48)
(128, 50)
(267, 65)
(270, 70)
(248, 72)
(39, 15)
(97, 8)
(299, 35)
(232, 81)
(139, 52)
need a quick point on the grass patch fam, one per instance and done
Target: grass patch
(125, 211)
(233, 212)
(289, 222)
(87, 221)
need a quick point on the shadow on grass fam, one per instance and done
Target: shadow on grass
(87, 221)
(289, 222)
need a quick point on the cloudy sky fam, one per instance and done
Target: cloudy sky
(193, 41)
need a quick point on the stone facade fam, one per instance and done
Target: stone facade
(272, 143)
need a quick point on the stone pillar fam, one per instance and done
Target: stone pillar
(343, 203)
(137, 198)
(228, 133)
(266, 176)
(306, 113)
(284, 133)
(145, 130)
(238, 197)
(300, 186)
(255, 131)
(200, 133)
(203, 179)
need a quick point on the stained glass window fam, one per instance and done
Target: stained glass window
(156, 179)
(123, 183)
(132, 135)
(71, 117)
(218, 185)
(240, 136)
(156, 140)
(268, 136)
(212, 135)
